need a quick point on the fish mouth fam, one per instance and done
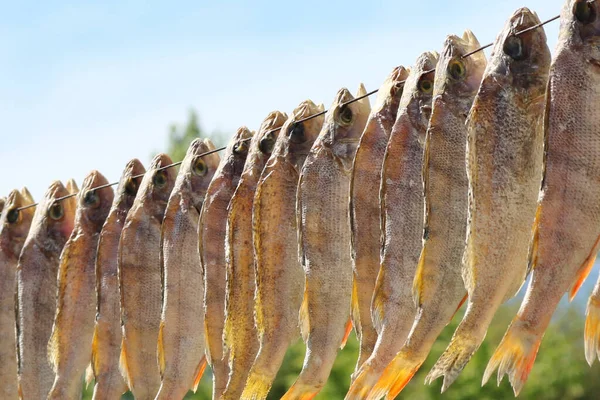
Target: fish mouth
(524, 18)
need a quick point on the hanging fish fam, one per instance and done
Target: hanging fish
(240, 334)
(567, 227)
(106, 344)
(393, 309)
(37, 286)
(181, 337)
(364, 207)
(324, 240)
(140, 279)
(279, 274)
(69, 347)
(14, 226)
(438, 287)
(504, 166)
(211, 233)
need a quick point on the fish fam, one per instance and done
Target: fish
(567, 223)
(211, 242)
(181, 333)
(139, 275)
(69, 346)
(37, 287)
(14, 226)
(106, 342)
(364, 207)
(240, 334)
(438, 287)
(279, 274)
(324, 240)
(505, 145)
(392, 307)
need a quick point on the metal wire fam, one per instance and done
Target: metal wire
(531, 28)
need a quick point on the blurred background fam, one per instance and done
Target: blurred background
(91, 85)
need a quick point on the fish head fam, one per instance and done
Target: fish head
(344, 125)
(520, 55)
(197, 170)
(54, 216)
(580, 25)
(129, 184)
(94, 201)
(237, 150)
(458, 78)
(263, 143)
(157, 185)
(389, 94)
(418, 90)
(15, 223)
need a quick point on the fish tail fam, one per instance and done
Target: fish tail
(592, 330)
(363, 383)
(265, 368)
(300, 391)
(455, 357)
(515, 355)
(396, 376)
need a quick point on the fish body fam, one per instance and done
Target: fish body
(140, 285)
(14, 226)
(70, 344)
(324, 240)
(37, 287)
(211, 239)
(364, 207)
(181, 335)
(567, 230)
(393, 308)
(504, 167)
(279, 274)
(106, 344)
(240, 333)
(438, 287)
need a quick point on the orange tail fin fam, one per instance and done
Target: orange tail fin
(585, 269)
(396, 376)
(199, 373)
(514, 356)
(364, 382)
(346, 333)
(300, 392)
(592, 330)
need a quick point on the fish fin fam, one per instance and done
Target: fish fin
(207, 344)
(123, 367)
(95, 355)
(89, 375)
(464, 299)
(533, 248)
(378, 302)
(396, 376)
(257, 386)
(514, 356)
(346, 333)
(592, 330)
(365, 379)
(584, 270)
(304, 320)
(198, 375)
(161, 349)
(454, 359)
(53, 356)
(300, 391)
(355, 311)
(419, 280)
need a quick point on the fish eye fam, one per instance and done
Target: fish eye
(426, 85)
(345, 115)
(513, 47)
(457, 69)
(12, 216)
(241, 147)
(131, 187)
(56, 211)
(199, 167)
(296, 133)
(91, 198)
(160, 179)
(267, 143)
(585, 12)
